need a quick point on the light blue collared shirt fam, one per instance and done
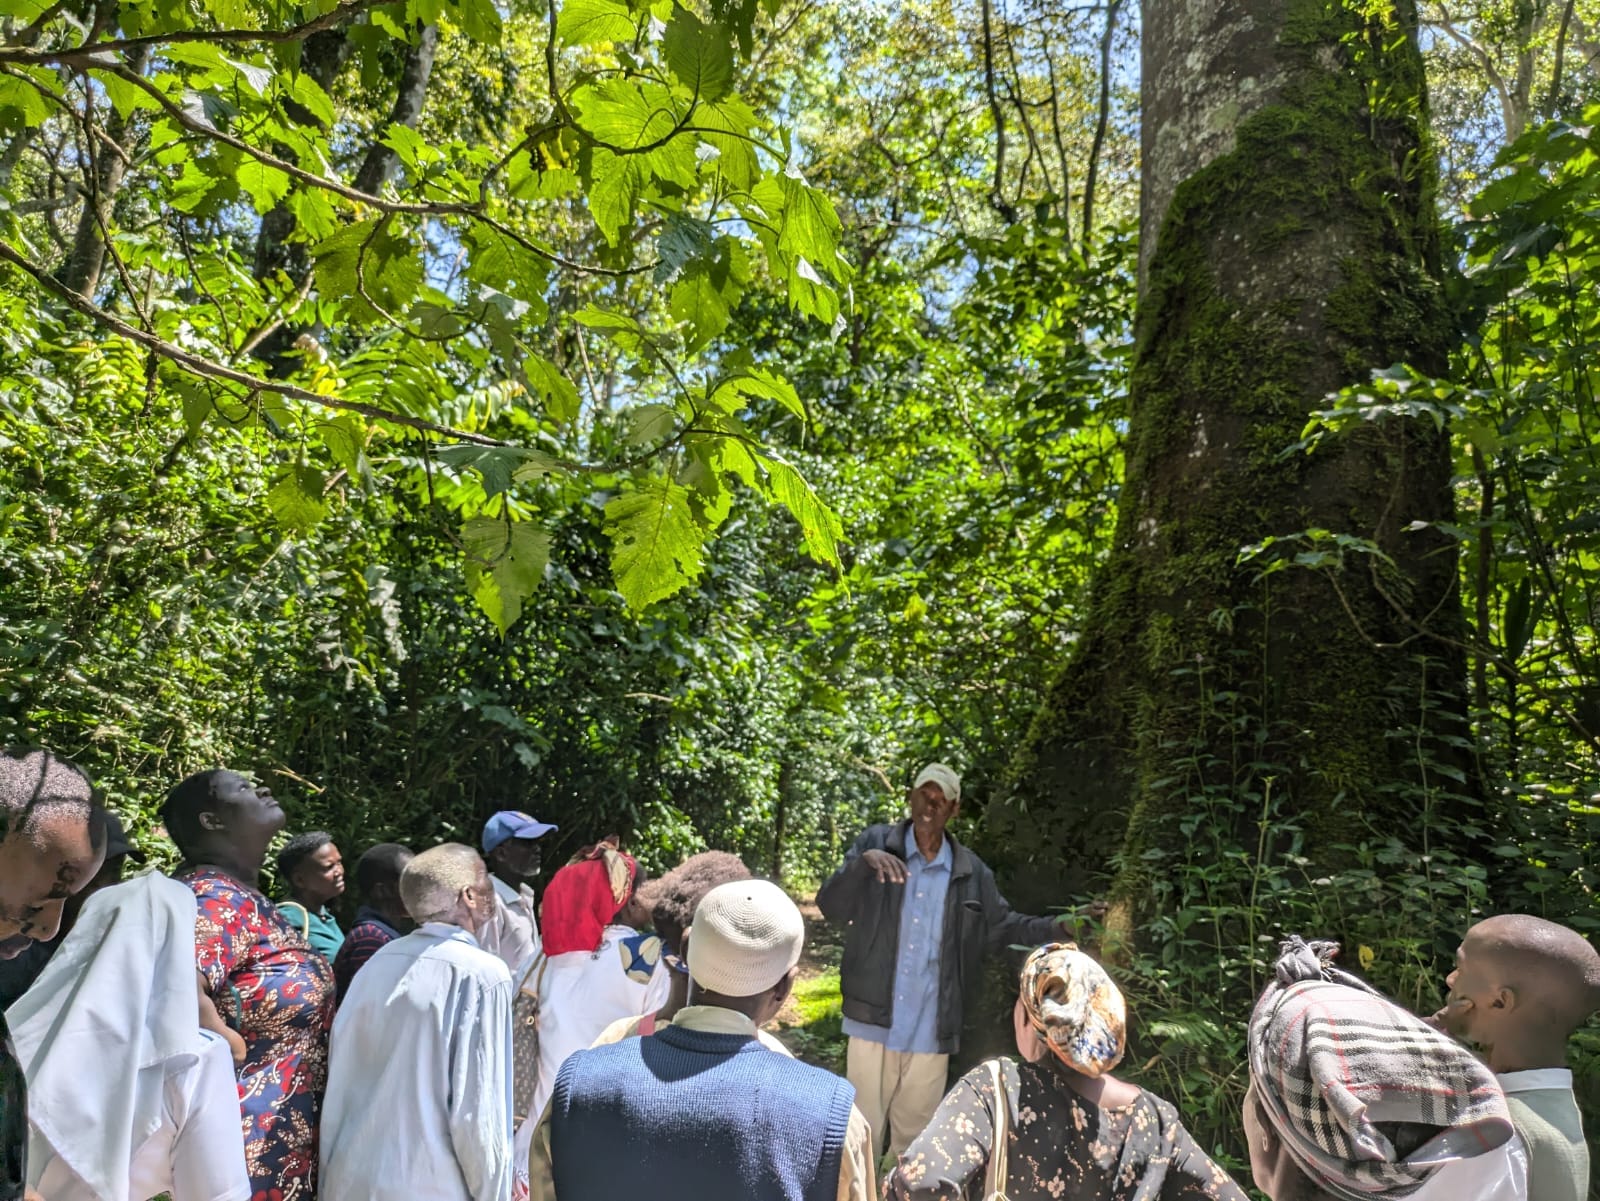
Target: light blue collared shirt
(915, 1024)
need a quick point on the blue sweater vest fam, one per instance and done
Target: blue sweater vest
(685, 1115)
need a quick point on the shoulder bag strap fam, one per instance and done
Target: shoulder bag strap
(305, 917)
(994, 1176)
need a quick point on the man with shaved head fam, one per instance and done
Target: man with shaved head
(419, 1072)
(53, 843)
(1522, 985)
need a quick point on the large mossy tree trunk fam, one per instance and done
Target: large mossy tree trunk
(1290, 246)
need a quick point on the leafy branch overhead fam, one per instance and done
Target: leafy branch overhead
(504, 311)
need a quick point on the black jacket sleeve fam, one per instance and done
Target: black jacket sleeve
(1007, 927)
(840, 898)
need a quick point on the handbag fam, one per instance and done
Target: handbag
(994, 1175)
(525, 1039)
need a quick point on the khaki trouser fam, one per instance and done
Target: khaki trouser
(896, 1091)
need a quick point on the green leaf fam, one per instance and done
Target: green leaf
(700, 55)
(553, 389)
(701, 305)
(296, 499)
(619, 327)
(616, 111)
(389, 269)
(505, 562)
(507, 266)
(22, 104)
(345, 436)
(818, 523)
(705, 295)
(497, 465)
(263, 183)
(761, 384)
(125, 97)
(657, 548)
(588, 22)
(480, 21)
(307, 93)
(618, 182)
(648, 422)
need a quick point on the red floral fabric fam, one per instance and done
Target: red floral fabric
(277, 992)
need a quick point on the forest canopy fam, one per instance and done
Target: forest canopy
(685, 419)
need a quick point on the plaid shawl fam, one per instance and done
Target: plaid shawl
(1368, 1099)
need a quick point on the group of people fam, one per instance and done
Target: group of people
(469, 1040)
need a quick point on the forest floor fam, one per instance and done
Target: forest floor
(810, 1024)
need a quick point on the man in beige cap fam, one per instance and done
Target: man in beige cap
(700, 1108)
(918, 910)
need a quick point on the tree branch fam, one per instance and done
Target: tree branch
(1102, 123)
(997, 196)
(206, 369)
(93, 54)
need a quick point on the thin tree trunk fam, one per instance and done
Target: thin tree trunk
(1102, 121)
(103, 175)
(381, 161)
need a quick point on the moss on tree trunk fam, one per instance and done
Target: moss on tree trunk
(1288, 173)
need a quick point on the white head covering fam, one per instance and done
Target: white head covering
(746, 935)
(95, 1034)
(945, 777)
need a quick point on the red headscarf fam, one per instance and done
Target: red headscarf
(584, 896)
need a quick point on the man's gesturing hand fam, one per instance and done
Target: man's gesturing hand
(889, 869)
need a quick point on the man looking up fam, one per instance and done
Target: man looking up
(382, 917)
(419, 1081)
(53, 844)
(701, 1109)
(1522, 985)
(918, 910)
(511, 848)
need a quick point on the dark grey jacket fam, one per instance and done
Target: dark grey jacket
(976, 919)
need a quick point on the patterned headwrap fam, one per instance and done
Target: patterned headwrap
(1075, 1007)
(1368, 1099)
(584, 896)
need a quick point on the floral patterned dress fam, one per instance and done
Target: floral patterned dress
(1060, 1146)
(277, 992)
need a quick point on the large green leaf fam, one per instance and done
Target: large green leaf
(296, 499)
(497, 465)
(657, 547)
(700, 55)
(505, 562)
(818, 523)
(589, 22)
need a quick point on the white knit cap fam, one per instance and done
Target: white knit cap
(746, 935)
(945, 777)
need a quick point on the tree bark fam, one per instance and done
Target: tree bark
(321, 58)
(1290, 246)
(380, 162)
(103, 176)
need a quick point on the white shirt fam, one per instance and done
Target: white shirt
(196, 1154)
(514, 933)
(1534, 1079)
(1498, 1175)
(581, 995)
(419, 1075)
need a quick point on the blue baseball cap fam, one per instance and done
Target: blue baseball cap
(512, 823)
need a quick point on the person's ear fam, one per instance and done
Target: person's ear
(781, 991)
(1504, 999)
(210, 821)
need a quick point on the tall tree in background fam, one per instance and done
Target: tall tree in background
(1274, 627)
